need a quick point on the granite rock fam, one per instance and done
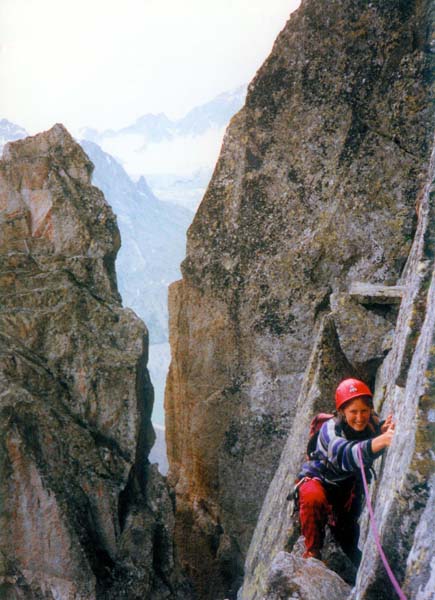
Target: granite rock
(316, 188)
(403, 493)
(82, 513)
(296, 578)
(365, 336)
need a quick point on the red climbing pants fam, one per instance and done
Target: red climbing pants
(313, 513)
(338, 507)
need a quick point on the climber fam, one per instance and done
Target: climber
(329, 484)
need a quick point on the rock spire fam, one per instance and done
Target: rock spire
(83, 514)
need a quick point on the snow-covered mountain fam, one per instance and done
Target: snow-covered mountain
(153, 238)
(153, 235)
(214, 114)
(185, 190)
(176, 156)
(9, 132)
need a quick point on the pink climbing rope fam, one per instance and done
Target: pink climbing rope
(375, 529)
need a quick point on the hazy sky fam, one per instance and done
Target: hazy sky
(103, 63)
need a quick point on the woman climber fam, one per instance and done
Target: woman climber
(329, 484)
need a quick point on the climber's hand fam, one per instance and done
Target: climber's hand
(386, 424)
(384, 440)
(388, 434)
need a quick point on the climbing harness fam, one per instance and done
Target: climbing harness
(375, 529)
(294, 493)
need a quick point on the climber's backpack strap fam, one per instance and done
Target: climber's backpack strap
(315, 425)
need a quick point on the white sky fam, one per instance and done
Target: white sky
(103, 63)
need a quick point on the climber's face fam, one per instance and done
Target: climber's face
(357, 413)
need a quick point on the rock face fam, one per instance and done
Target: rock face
(404, 497)
(83, 515)
(316, 188)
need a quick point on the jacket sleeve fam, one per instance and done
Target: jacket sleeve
(342, 453)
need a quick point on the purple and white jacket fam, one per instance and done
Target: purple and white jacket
(335, 458)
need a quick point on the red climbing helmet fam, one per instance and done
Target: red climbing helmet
(349, 389)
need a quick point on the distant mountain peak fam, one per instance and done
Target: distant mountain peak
(10, 132)
(157, 128)
(215, 113)
(6, 125)
(143, 187)
(179, 153)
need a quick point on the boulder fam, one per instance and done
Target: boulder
(303, 579)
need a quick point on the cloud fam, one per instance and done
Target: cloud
(181, 155)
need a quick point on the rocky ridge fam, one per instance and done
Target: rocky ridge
(316, 189)
(83, 514)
